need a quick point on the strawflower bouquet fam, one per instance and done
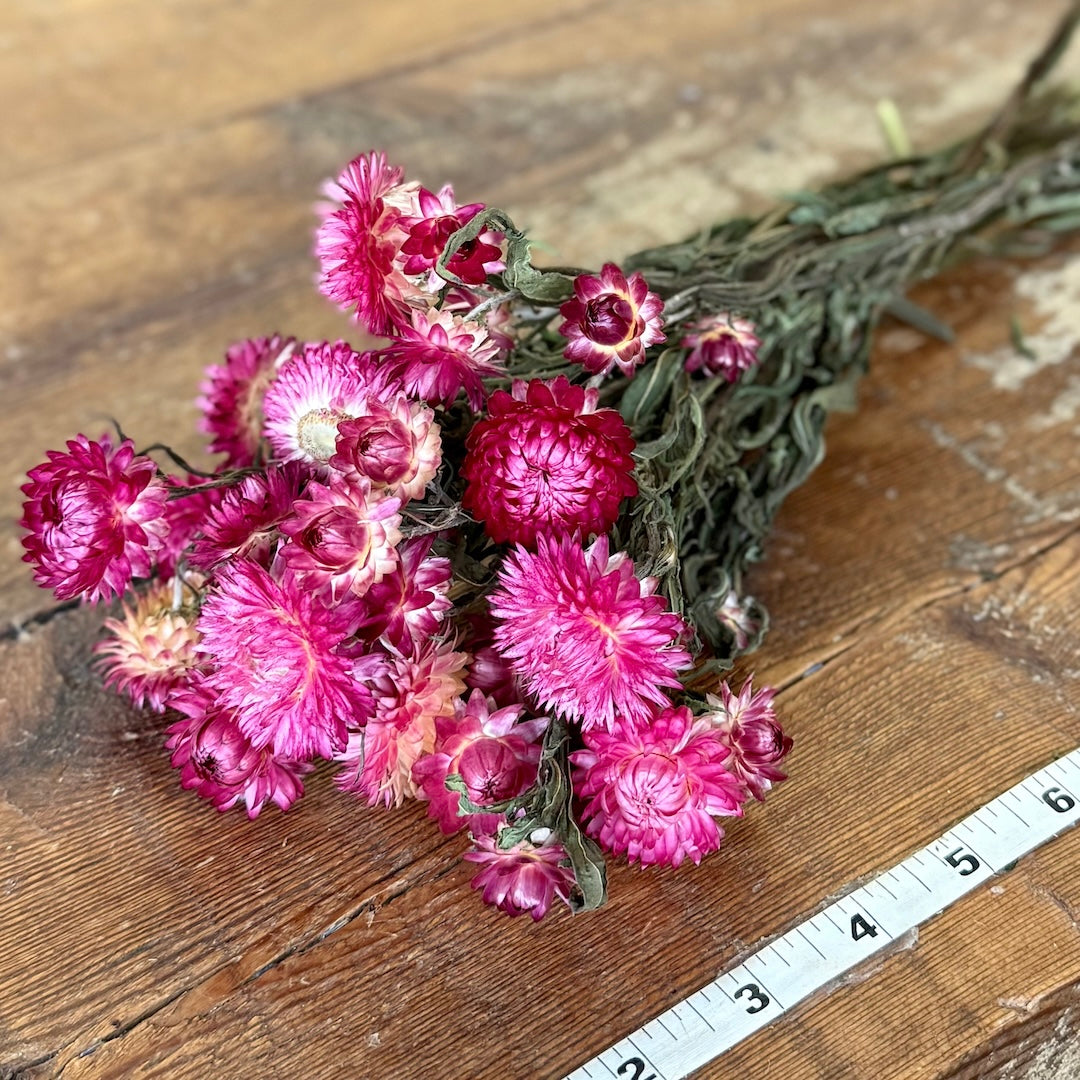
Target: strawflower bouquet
(496, 564)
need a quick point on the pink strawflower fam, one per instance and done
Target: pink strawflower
(186, 512)
(439, 354)
(359, 240)
(524, 878)
(547, 461)
(746, 723)
(232, 393)
(587, 638)
(151, 652)
(96, 518)
(275, 662)
(498, 322)
(322, 385)
(439, 218)
(218, 761)
(611, 321)
(721, 345)
(406, 607)
(653, 790)
(410, 695)
(734, 614)
(396, 446)
(245, 523)
(342, 537)
(494, 754)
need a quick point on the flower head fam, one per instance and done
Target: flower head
(588, 639)
(721, 345)
(746, 723)
(525, 878)
(95, 517)
(653, 790)
(218, 761)
(151, 652)
(611, 321)
(736, 615)
(547, 461)
(274, 658)
(359, 241)
(231, 399)
(439, 354)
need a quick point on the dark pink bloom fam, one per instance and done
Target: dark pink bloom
(525, 878)
(275, 662)
(746, 723)
(232, 395)
(439, 354)
(359, 241)
(721, 345)
(151, 651)
(611, 320)
(492, 752)
(218, 761)
(547, 461)
(406, 607)
(587, 638)
(342, 537)
(95, 517)
(653, 791)
(439, 218)
(245, 522)
(185, 516)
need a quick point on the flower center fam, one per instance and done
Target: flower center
(609, 319)
(316, 432)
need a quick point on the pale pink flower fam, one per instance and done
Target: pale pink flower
(493, 753)
(358, 242)
(547, 461)
(611, 321)
(653, 791)
(95, 517)
(439, 354)
(342, 537)
(410, 695)
(721, 345)
(397, 446)
(746, 723)
(525, 878)
(587, 638)
(321, 386)
(499, 321)
(735, 615)
(275, 661)
(232, 393)
(217, 760)
(245, 522)
(151, 651)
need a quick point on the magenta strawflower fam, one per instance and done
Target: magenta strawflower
(358, 242)
(439, 354)
(95, 517)
(218, 761)
(653, 791)
(721, 345)
(232, 393)
(410, 695)
(438, 219)
(547, 461)
(525, 878)
(746, 723)
(611, 321)
(342, 537)
(274, 657)
(587, 638)
(494, 754)
(151, 651)
(245, 523)
(186, 512)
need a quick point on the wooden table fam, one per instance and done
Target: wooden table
(157, 165)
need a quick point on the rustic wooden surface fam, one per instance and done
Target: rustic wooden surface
(157, 163)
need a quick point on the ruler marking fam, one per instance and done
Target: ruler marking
(881, 884)
(1023, 821)
(799, 931)
(917, 878)
(660, 1021)
(779, 956)
(704, 1018)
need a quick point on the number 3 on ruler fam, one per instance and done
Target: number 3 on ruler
(758, 998)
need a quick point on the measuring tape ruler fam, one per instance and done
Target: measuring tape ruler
(790, 968)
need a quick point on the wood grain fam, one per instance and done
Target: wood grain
(154, 200)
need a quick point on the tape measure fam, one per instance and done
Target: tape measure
(779, 975)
